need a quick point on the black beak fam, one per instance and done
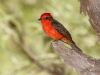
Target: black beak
(39, 19)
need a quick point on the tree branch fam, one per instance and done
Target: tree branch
(92, 9)
(82, 63)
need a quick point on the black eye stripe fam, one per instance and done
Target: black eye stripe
(46, 18)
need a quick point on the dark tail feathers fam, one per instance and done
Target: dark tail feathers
(75, 47)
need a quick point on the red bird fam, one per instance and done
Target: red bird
(56, 30)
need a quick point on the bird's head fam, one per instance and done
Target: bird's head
(45, 16)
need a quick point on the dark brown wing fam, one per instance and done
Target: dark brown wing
(61, 29)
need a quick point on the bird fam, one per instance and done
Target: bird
(56, 30)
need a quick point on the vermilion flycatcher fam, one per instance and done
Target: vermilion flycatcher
(56, 30)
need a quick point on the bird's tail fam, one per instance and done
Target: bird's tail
(75, 47)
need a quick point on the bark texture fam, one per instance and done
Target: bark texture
(92, 9)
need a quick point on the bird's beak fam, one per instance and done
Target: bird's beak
(39, 19)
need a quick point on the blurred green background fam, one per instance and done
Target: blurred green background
(26, 50)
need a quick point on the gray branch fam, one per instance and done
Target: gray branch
(92, 9)
(82, 63)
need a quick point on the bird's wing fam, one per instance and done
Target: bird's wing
(61, 29)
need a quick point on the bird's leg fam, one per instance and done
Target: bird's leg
(56, 40)
(64, 41)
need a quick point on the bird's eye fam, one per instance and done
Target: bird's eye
(46, 18)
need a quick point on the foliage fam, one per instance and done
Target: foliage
(20, 30)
